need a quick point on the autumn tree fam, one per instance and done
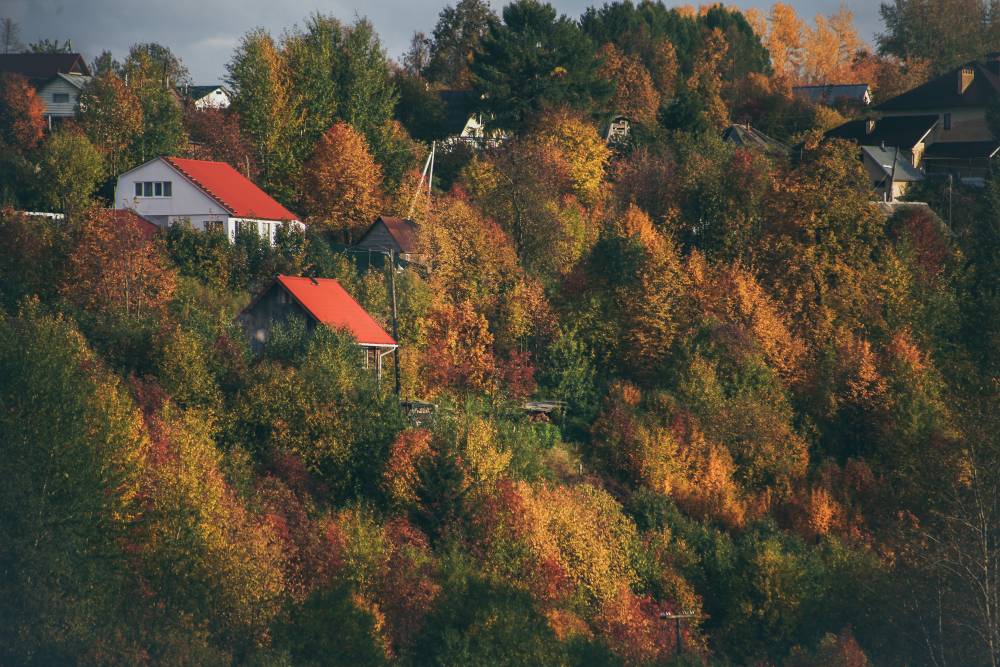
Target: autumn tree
(635, 95)
(111, 116)
(72, 168)
(341, 183)
(73, 451)
(117, 269)
(945, 33)
(153, 73)
(21, 121)
(215, 134)
(701, 104)
(259, 78)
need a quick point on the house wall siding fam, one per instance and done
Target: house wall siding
(967, 124)
(379, 238)
(62, 109)
(276, 306)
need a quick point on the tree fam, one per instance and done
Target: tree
(50, 46)
(534, 60)
(154, 73)
(10, 35)
(117, 270)
(215, 134)
(418, 56)
(71, 168)
(701, 106)
(456, 38)
(259, 77)
(21, 122)
(111, 116)
(73, 450)
(943, 32)
(635, 96)
(314, 59)
(341, 183)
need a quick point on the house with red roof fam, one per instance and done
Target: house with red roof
(212, 196)
(319, 301)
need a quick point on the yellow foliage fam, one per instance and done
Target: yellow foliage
(582, 147)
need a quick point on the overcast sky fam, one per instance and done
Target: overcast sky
(204, 32)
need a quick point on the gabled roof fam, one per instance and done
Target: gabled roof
(942, 92)
(830, 93)
(234, 191)
(885, 157)
(43, 66)
(747, 137)
(198, 92)
(901, 131)
(328, 302)
(403, 232)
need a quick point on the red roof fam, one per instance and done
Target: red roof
(236, 193)
(329, 303)
(126, 216)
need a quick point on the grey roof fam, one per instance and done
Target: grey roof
(942, 92)
(884, 157)
(830, 93)
(78, 81)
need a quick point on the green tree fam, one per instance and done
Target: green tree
(70, 169)
(70, 495)
(534, 60)
(456, 38)
(259, 77)
(111, 115)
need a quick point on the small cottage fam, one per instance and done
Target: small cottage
(318, 301)
(397, 236)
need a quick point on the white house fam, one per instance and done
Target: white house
(210, 195)
(207, 97)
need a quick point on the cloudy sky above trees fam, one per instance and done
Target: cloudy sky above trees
(204, 32)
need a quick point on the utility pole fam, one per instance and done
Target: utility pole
(395, 325)
(676, 618)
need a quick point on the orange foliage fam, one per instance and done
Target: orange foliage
(632, 627)
(400, 477)
(117, 268)
(341, 183)
(459, 350)
(635, 96)
(21, 121)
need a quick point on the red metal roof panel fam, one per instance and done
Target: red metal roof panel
(233, 190)
(330, 304)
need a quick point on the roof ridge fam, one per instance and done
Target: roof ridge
(173, 161)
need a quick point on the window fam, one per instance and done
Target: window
(60, 98)
(154, 189)
(214, 226)
(947, 121)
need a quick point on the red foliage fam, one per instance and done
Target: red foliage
(22, 124)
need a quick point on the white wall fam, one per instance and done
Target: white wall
(217, 99)
(186, 201)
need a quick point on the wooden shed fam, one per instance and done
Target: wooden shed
(319, 301)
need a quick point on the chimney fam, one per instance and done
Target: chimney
(965, 77)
